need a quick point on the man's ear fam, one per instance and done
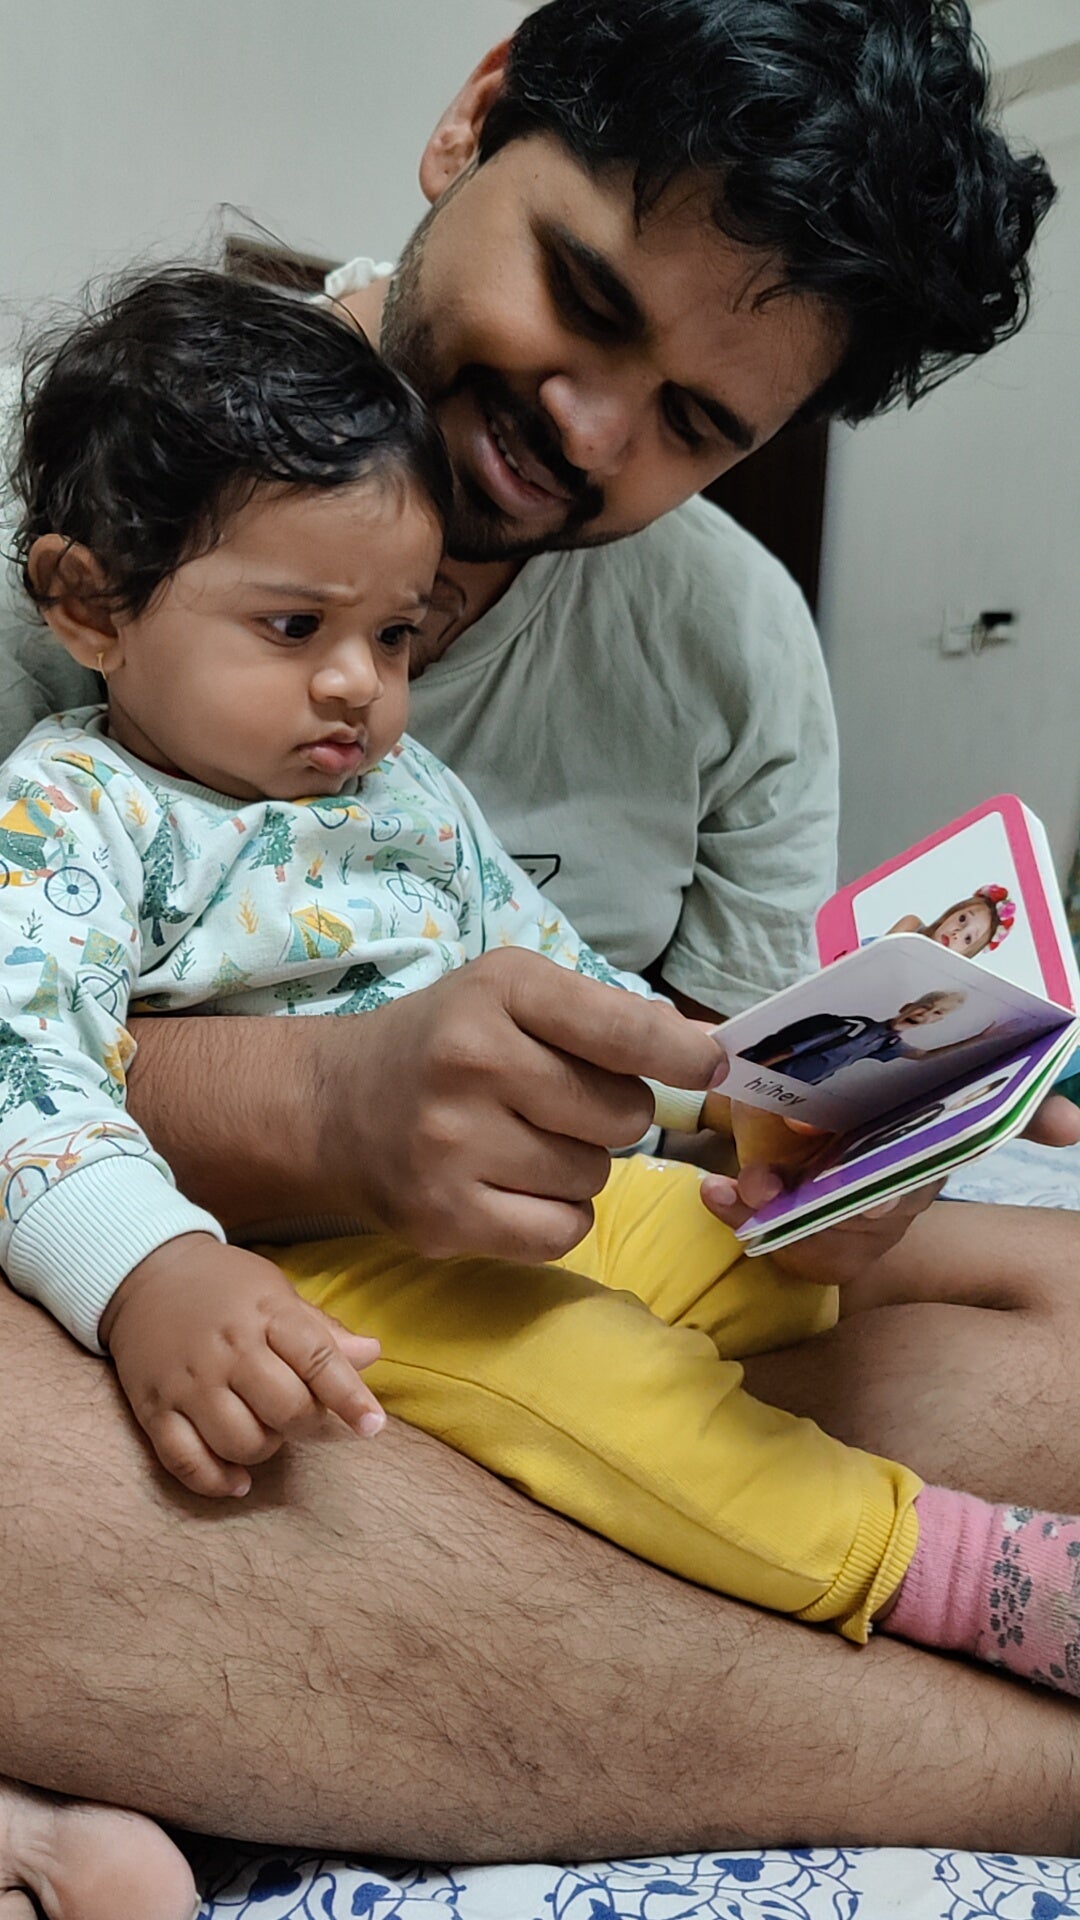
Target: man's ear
(453, 144)
(71, 584)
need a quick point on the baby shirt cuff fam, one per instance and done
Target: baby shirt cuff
(75, 1244)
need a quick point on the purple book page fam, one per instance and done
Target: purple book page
(970, 1104)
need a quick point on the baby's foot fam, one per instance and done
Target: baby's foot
(16, 1906)
(1001, 1583)
(85, 1862)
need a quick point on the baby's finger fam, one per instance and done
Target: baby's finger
(231, 1426)
(759, 1186)
(360, 1349)
(308, 1342)
(276, 1394)
(184, 1453)
(720, 1195)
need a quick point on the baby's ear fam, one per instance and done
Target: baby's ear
(71, 590)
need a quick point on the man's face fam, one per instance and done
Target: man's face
(590, 374)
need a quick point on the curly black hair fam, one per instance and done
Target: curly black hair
(146, 426)
(853, 139)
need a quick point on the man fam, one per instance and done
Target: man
(834, 225)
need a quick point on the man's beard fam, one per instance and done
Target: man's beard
(479, 531)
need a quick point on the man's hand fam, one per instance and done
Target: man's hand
(221, 1361)
(1055, 1123)
(474, 1116)
(771, 1152)
(486, 1104)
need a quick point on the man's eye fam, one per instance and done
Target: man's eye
(396, 637)
(678, 419)
(294, 626)
(574, 306)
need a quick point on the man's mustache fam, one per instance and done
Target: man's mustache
(497, 398)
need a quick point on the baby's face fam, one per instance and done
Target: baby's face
(277, 665)
(967, 929)
(921, 1013)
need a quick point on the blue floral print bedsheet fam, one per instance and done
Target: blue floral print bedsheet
(845, 1884)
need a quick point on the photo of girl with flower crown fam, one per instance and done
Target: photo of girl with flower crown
(972, 926)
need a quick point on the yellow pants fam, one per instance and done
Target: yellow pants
(607, 1385)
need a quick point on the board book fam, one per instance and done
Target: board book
(945, 1008)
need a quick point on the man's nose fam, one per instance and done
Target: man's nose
(349, 676)
(595, 422)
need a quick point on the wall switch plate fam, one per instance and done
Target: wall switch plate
(957, 627)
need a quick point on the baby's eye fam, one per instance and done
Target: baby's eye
(295, 627)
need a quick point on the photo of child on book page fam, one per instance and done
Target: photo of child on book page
(884, 1026)
(814, 1049)
(969, 926)
(913, 1120)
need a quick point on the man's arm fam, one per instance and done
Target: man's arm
(474, 1115)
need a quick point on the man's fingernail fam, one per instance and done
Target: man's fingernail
(719, 1191)
(371, 1424)
(239, 1489)
(720, 1072)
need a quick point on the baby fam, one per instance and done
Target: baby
(234, 512)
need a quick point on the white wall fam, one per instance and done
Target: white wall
(124, 123)
(972, 499)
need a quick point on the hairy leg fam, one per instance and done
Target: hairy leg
(959, 1355)
(383, 1648)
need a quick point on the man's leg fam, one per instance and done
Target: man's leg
(383, 1648)
(959, 1354)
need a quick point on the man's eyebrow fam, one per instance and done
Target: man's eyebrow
(737, 431)
(623, 301)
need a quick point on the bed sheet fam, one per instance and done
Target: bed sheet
(841, 1884)
(1020, 1174)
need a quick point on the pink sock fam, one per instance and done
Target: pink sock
(999, 1583)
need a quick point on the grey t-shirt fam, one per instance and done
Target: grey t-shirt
(649, 728)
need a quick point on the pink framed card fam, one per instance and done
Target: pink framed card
(987, 879)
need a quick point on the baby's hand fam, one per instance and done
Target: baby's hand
(221, 1361)
(772, 1151)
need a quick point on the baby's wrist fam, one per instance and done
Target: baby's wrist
(156, 1267)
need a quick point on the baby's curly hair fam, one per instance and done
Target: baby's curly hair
(145, 427)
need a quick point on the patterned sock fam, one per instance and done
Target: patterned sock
(999, 1583)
